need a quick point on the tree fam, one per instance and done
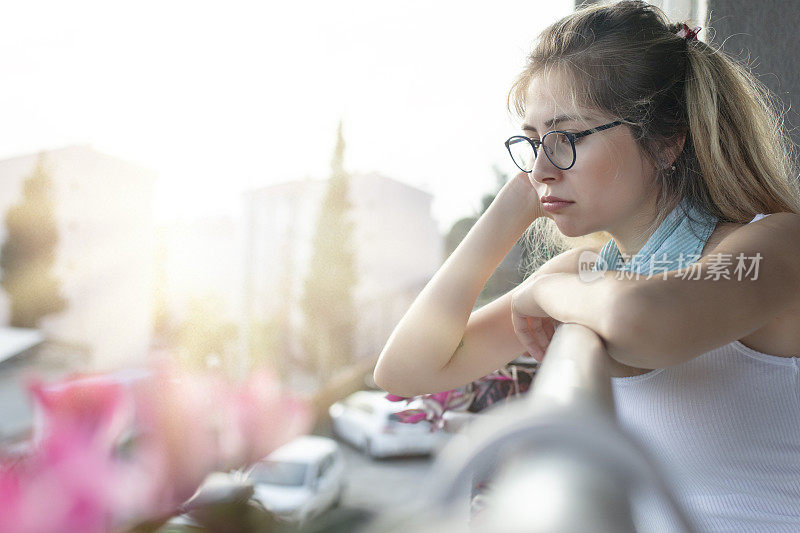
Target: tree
(327, 301)
(205, 338)
(28, 254)
(267, 346)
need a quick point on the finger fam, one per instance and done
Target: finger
(528, 340)
(550, 328)
(538, 332)
(524, 334)
(537, 356)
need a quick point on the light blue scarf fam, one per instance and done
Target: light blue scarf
(676, 243)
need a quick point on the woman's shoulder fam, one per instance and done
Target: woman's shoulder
(767, 229)
(775, 238)
(782, 217)
(778, 228)
(778, 235)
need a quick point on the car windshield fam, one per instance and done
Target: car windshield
(279, 473)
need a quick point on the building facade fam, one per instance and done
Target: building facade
(397, 245)
(104, 257)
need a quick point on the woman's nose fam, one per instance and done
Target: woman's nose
(544, 170)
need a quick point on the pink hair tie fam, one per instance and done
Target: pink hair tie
(688, 33)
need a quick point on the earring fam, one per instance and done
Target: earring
(672, 167)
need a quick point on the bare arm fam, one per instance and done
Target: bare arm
(429, 333)
(748, 279)
(489, 341)
(452, 346)
(669, 318)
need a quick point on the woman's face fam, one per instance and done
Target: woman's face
(608, 182)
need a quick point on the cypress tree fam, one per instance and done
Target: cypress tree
(28, 253)
(327, 301)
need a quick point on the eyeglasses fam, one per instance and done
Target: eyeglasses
(559, 147)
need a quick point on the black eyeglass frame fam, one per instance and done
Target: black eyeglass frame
(569, 135)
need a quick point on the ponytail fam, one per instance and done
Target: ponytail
(737, 135)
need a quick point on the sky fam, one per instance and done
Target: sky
(220, 97)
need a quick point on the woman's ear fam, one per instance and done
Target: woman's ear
(673, 149)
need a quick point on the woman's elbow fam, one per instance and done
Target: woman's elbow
(387, 381)
(394, 388)
(640, 334)
(382, 383)
(626, 328)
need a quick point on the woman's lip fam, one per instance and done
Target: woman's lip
(555, 206)
(553, 199)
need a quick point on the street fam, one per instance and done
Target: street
(376, 485)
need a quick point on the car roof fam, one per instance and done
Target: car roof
(304, 448)
(376, 398)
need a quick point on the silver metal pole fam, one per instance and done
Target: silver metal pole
(561, 462)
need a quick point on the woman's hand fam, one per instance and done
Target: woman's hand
(519, 198)
(533, 326)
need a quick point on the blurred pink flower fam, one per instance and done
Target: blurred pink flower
(268, 418)
(410, 416)
(175, 441)
(67, 482)
(110, 453)
(432, 406)
(394, 397)
(91, 406)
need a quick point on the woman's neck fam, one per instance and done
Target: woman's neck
(634, 232)
(629, 244)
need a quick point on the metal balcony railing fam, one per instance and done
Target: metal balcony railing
(560, 462)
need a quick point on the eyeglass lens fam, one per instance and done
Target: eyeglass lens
(557, 146)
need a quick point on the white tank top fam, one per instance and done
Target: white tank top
(724, 428)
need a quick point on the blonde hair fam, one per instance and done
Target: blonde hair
(625, 59)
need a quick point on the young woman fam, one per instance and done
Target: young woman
(662, 143)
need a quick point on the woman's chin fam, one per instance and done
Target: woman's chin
(570, 230)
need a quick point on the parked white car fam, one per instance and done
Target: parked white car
(301, 479)
(364, 419)
(217, 488)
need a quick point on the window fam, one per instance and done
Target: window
(279, 473)
(325, 465)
